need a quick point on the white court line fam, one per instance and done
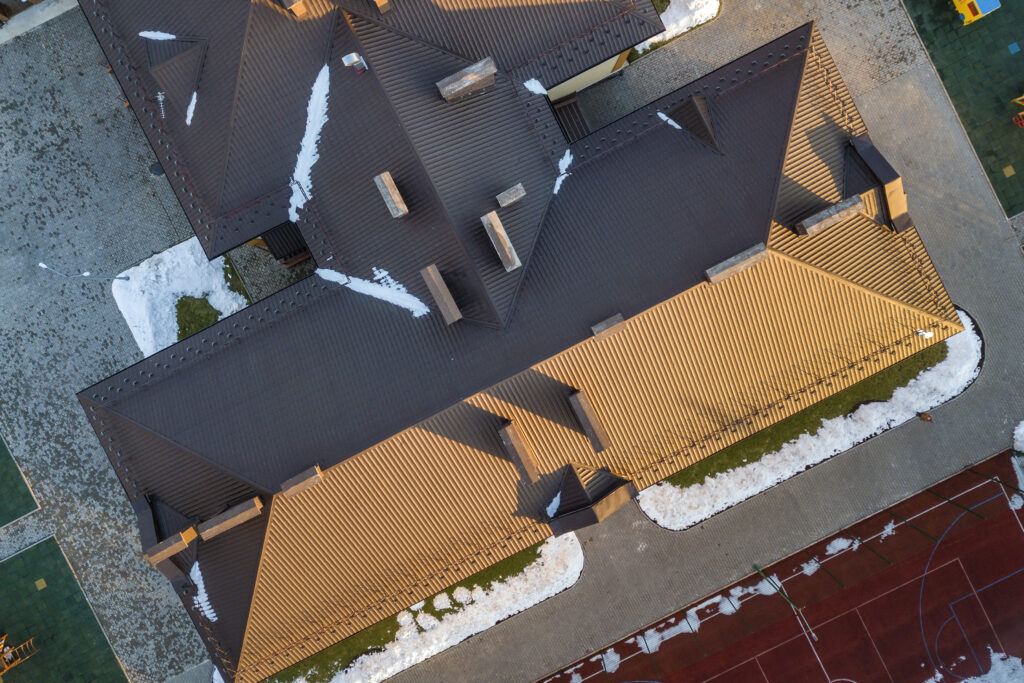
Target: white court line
(872, 639)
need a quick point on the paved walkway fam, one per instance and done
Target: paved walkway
(636, 572)
(75, 192)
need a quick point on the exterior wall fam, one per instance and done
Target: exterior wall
(580, 81)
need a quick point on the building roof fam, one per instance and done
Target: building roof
(402, 412)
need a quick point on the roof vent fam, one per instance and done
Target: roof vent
(833, 215)
(354, 60)
(608, 326)
(302, 481)
(296, 7)
(694, 115)
(502, 244)
(519, 452)
(588, 420)
(736, 264)
(473, 78)
(511, 195)
(392, 197)
(230, 518)
(170, 546)
(442, 295)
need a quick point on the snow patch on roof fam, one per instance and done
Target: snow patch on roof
(669, 121)
(148, 298)
(552, 507)
(383, 287)
(157, 35)
(316, 117)
(535, 86)
(680, 17)
(191, 109)
(563, 166)
(201, 600)
(558, 567)
(675, 508)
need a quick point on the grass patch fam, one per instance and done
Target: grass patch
(194, 314)
(878, 387)
(234, 281)
(71, 645)
(324, 665)
(15, 498)
(660, 5)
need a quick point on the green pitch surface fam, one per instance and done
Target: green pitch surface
(40, 598)
(982, 68)
(15, 498)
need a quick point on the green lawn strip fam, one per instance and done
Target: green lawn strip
(878, 387)
(324, 665)
(234, 281)
(194, 315)
(15, 498)
(71, 645)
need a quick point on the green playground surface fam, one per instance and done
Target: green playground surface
(40, 598)
(15, 498)
(982, 68)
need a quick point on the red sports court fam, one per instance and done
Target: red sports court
(923, 591)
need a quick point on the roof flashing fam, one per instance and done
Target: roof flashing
(472, 79)
(736, 264)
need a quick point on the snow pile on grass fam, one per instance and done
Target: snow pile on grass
(675, 508)
(680, 17)
(148, 298)
(535, 86)
(383, 287)
(1018, 438)
(316, 117)
(557, 568)
(201, 600)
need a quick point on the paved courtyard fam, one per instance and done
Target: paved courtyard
(75, 193)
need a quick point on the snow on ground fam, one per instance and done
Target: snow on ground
(1016, 502)
(383, 287)
(563, 168)
(216, 678)
(889, 530)
(148, 298)
(675, 508)
(838, 545)
(201, 599)
(666, 119)
(808, 568)
(191, 109)
(680, 17)
(156, 35)
(535, 86)
(316, 117)
(557, 568)
(610, 660)
(1002, 669)
(1018, 437)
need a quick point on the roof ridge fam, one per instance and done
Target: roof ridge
(367, 16)
(856, 285)
(185, 449)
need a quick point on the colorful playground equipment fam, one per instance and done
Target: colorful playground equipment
(11, 657)
(972, 10)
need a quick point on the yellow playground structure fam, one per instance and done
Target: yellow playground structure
(11, 657)
(972, 10)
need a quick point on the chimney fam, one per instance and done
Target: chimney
(473, 78)
(833, 215)
(587, 418)
(392, 197)
(296, 7)
(230, 518)
(171, 546)
(518, 451)
(736, 264)
(383, 6)
(500, 241)
(302, 481)
(442, 295)
(354, 60)
(511, 195)
(892, 183)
